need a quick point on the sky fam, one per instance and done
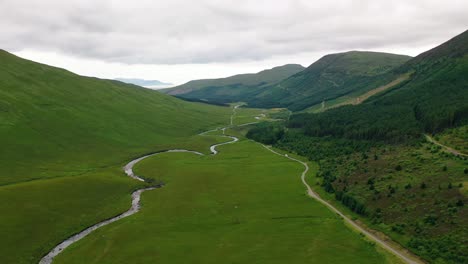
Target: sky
(180, 40)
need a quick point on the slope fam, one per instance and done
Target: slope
(433, 99)
(330, 77)
(69, 122)
(234, 88)
(64, 139)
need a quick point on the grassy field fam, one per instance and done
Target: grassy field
(243, 205)
(247, 115)
(37, 215)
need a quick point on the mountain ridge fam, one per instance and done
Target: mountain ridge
(331, 76)
(232, 88)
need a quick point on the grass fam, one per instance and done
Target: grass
(247, 115)
(241, 205)
(37, 215)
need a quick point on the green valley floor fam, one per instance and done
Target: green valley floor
(243, 205)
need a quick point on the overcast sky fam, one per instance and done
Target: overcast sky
(179, 40)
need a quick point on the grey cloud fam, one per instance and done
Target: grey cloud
(204, 31)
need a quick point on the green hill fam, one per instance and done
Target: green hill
(330, 77)
(69, 122)
(64, 139)
(235, 88)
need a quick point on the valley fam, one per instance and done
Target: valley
(211, 202)
(361, 157)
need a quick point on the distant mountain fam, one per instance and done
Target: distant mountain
(235, 88)
(330, 77)
(144, 83)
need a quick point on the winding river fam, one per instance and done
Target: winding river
(136, 195)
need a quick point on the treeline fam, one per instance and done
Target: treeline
(267, 133)
(445, 247)
(354, 204)
(392, 124)
(218, 103)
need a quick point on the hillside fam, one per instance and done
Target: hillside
(235, 88)
(49, 115)
(375, 160)
(330, 77)
(64, 139)
(434, 98)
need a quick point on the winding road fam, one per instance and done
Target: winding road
(407, 258)
(444, 147)
(136, 196)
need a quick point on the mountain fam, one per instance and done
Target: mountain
(375, 160)
(435, 97)
(330, 77)
(144, 83)
(234, 88)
